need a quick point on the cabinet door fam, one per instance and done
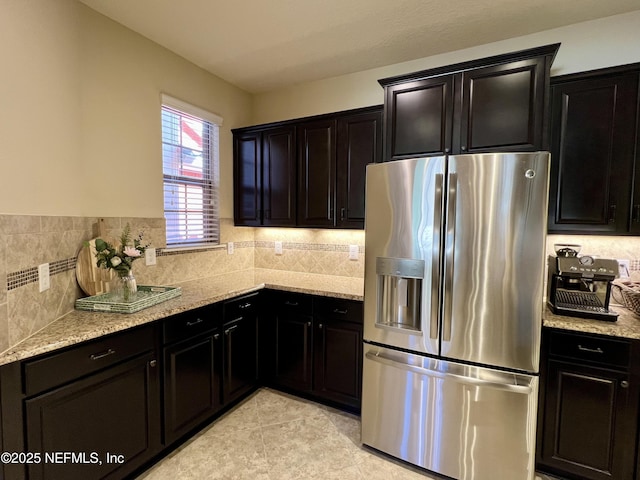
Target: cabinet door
(114, 412)
(593, 124)
(279, 176)
(338, 361)
(418, 118)
(316, 173)
(587, 428)
(240, 347)
(293, 351)
(192, 390)
(503, 107)
(247, 181)
(359, 144)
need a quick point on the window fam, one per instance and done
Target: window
(190, 171)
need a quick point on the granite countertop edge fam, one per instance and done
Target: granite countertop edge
(627, 325)
(88, 325)
(85, 325)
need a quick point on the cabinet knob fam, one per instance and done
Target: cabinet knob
(216, 336)
(153, 363)
(320, 326)
(308, 324)
(624, 384)
(343, 212)
(446, 150)
(463, 148)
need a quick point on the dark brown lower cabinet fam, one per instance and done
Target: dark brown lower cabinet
(318, 347)
(293, 351)
(588, 409)
(338, 361)
(192, 385)
(110, 421)
(240, 372)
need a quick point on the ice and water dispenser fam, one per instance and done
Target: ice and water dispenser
(399, 293)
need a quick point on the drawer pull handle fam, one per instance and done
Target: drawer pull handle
(226, 332)
(191, 324)
(590, 350)
(291, 304)
(246, 305)
(341, 312)
(98, 356)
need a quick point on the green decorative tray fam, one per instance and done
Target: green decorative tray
(146, 297)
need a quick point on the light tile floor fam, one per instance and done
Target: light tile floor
(274, 436)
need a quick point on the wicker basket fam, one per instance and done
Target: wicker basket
(627, 294)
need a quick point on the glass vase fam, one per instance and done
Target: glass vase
(124, 287)
(129, 287)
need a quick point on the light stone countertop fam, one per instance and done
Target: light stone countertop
(78, 326)
(627, 325)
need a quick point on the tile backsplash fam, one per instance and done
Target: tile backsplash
(28, 241)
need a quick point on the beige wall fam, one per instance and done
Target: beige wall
(585, 46)
(39, 108)
(80, 116)
(123, 75)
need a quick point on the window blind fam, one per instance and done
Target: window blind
(190, 167)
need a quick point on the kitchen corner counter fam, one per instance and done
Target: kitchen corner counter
(627, 325)
(78, 326)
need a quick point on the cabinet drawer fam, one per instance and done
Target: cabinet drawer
(339, 309)
(240, 307)
(191, 323)
(86, 358)
(608, 351)
(294, 303)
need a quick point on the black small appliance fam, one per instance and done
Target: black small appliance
(581, 286)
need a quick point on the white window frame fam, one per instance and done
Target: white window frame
(210, 218)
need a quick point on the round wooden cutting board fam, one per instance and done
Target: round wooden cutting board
(92, 280)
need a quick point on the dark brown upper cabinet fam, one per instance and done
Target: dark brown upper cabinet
(307, 172)
(419, 118)
(317, 173)
(359, 143)
(593, 151)
(492, 104)
(265, 177)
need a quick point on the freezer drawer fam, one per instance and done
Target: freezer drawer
(466, 422)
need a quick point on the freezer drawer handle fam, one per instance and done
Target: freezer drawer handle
(590, 350)
(458, 378)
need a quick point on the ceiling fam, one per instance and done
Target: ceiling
(261, 45)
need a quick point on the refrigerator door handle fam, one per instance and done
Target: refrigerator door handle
(472, 381)
(449, 251)
(435, 255)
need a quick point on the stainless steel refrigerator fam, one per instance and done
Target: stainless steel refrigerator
(454, 272)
